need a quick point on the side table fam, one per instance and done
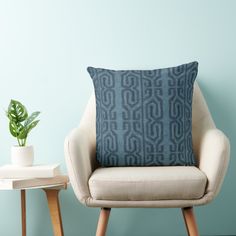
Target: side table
(52, 194)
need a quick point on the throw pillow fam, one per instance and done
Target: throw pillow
(144, 117)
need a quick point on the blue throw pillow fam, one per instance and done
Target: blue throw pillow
(144, 117)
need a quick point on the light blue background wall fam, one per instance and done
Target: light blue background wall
(45, 47)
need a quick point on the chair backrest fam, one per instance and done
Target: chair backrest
(201, 118)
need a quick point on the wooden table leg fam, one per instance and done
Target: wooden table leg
(23, 212)
(54, 208)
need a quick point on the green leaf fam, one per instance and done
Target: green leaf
(15, 128)
(23, 134)
(31, 118)
(26, 129)
(16, 111)
(32, 125)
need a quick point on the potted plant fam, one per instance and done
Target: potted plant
(20, 124)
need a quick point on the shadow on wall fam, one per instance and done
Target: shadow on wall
(220, 99)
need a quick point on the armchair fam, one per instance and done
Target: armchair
(150, 187)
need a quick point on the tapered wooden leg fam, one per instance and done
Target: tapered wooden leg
(102, 221)
(23, 212)
(54, 208)
(190, 221)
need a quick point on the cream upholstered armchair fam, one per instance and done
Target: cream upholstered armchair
(153, 187)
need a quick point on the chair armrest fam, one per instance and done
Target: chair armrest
(79, 148)
(214, 153)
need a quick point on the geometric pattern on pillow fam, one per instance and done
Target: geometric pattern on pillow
(144, 117)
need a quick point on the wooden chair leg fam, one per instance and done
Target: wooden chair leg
(23, 212)
(102, 221)
(190, 221)
(54, 208)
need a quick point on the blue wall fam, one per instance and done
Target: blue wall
(45, 47)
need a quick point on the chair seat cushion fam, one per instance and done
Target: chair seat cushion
(147, 183)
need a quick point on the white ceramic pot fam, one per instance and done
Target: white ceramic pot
(22, 156)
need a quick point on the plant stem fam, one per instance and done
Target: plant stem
(21, 142)
(24, 143)
(18, 142)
